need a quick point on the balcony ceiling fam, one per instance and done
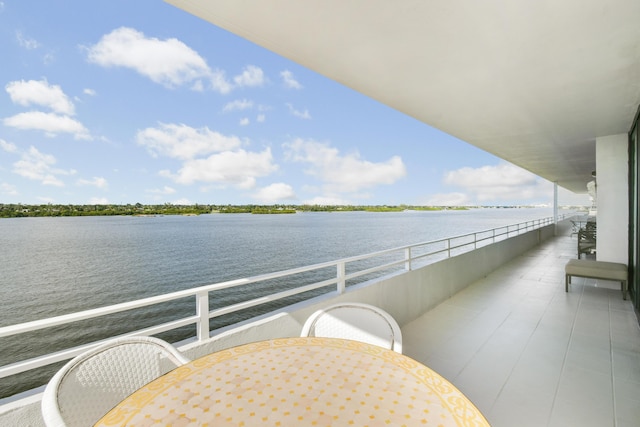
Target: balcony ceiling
(532, 82)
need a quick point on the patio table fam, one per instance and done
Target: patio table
(298, 382)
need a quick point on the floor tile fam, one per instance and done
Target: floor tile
(527, 353)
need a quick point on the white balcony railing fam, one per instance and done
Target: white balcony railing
(347, 270)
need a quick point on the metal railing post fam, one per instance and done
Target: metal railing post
(341, 277)
(202, 311)
(407, 259)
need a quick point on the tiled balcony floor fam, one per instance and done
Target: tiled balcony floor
(529, 354)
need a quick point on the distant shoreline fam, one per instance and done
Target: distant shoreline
(52, 210)
(140, 210)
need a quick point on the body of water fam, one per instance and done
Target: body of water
(54, 266)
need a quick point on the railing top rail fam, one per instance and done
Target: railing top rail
(548, 220)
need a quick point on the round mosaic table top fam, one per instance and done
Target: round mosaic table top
(298, 382)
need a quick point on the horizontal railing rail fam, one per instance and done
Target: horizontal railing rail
(407, 258)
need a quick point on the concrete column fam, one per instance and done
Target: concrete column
(555, 206)
(612, 159)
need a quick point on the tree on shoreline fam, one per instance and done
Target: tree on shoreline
(138, 209)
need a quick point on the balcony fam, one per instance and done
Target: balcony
(529, 354)
(522, 349)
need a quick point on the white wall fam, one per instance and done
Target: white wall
(612, 161)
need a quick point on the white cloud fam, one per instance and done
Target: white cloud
(327, 201)
(290, 81)
(261, 118)
(274, 193)
(164, 190)
(8, 147)
(344, 173)
(300, 114)
(244, 121)
(159, 193)
(48, 58)
(184, 142)
(98, 201)
(448, 199)
(251, 76)
(89, 92)
(198, 86)
(168, 62)
(219, 82)
(27, 43)
(8, 189)
(238, 105)
(502, 182)
(50, 123)
(227, 163)
(40, 92)
(98, 182)
(238, 168)
(183, 201)
(38, 166)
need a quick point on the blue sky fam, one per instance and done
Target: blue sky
(137, 101)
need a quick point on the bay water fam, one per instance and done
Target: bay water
(53, 266)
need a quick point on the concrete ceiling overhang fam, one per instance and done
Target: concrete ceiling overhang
(532, 82)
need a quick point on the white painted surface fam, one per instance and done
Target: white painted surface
(612, 198)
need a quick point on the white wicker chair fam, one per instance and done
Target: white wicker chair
(355, 321)
(91, 384)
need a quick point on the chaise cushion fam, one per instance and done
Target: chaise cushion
(596, 269)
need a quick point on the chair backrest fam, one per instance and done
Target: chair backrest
(355, 321)
(586, 241)
(91, 384)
